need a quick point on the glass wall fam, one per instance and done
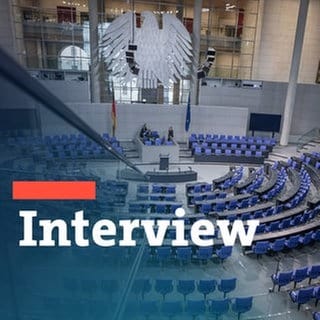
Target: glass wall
(46, 30)
(74, 280)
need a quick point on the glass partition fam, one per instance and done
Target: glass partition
(61, 272)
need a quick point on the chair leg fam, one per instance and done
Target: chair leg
(309, 280)
(316, 303)
(299, 305)
(239, 314)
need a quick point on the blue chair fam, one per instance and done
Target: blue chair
(205, 208)
(204, 253)
(281, 279)
(184, 254)
(163, 254)
(163, 287)
(260, 247)
(277, 245)
(292, 242)
(160, 208)
(141, 286)
(316, 235)
(224, 252)
(227, 285)
(299, 275)
(301, 296)
(313, 272)
(185, 287)
(241, 305)
(171, 188)
(306, 239)
(316, 316)
(171, 309)
(273, 226)
(219, 307)
(220, 206)
(206, 287)
(195, 308)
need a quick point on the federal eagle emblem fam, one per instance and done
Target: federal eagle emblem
(147, 53)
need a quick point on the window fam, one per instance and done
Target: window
(74, 58)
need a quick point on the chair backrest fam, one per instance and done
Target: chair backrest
(314, 271)
(184, 253)
(243, 304)
(300, 274)
(185, 286)
(163, 252)
(219, 307)
(206, 286)
(285, 277)
(227, 285)
(303, 295)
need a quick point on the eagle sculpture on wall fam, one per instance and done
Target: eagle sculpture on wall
(147, 53)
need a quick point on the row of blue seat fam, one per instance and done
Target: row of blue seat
(231, 182)
(157, 207)
(231, 138)
(141, 287)
(281, 181)
(195, 308)
(206, 208)
(156, 188)
(165, 253)
(198, 151)
(285, 223)
(304, 295)
(232, 146)
(263, 247)
(297, 275)
(78, 154)
(158, 142)
(156, 197)
(255, 184)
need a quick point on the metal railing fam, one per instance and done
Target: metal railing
(308, 137)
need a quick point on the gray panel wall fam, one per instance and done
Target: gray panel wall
(270, 99)
(68, 91)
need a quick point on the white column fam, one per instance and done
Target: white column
(294, 71)
(196, 35)
(94, 51)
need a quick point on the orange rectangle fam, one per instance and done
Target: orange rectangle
(53, 190)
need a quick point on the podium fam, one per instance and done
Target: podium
(164, 162)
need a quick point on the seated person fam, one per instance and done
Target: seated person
(143, 131)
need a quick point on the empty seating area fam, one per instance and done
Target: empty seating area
(154, 206)
(156, 192)
(72, 146)
(222, 148)
(172, 298)
(292, 277)
(190, 254)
